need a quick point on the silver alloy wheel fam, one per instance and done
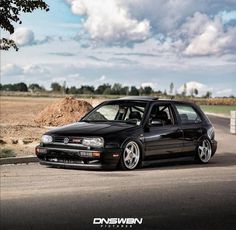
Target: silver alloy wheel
(131, 155)
(204, 151)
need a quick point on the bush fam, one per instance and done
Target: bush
(6, 153)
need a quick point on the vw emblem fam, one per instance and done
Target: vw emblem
(66, 140)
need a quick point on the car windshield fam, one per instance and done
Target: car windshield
(128, 112)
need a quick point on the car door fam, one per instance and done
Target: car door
(191, 123)
(162, 140)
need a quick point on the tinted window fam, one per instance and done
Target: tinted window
(162, 113)
(188, 114)
(118, 111)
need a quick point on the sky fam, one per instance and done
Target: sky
(132, 42)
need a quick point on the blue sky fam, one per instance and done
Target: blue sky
(133, 42)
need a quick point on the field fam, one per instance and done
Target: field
(20, 134)
(219, 109)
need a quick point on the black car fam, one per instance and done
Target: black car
(129, 132)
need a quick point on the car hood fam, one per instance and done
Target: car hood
(90, 129)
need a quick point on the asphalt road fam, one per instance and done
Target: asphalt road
(180, 195)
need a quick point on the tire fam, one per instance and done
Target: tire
(131, 156)
(204, 151)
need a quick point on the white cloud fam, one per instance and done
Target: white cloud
(164, 15)
(177, 26)
(25, 37)
(35, 70)
(206, 36)
(110, 22)
(11, 69)
(224, 92)
(102, 78)
(32, 69)
(202, 89)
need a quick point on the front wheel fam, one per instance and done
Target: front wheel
(204, 151)
(131, 156)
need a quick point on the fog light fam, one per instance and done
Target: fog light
(89, 154)
(96, 154)
(85, 154)
(41, 150)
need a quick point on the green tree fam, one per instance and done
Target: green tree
(102, 88)
(22, 87)
(134, 91)
(171, 87)
(116, 89)
(36, 88)
(56, 87)
(124, 90)
(107, 91)
(86, 89)
(73, 90)
(63, 88)
(208, 94)
(7, 87)
(147, 90)
(184, 93)
(10, 11)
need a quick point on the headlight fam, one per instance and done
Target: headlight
(94, 142)
(46, 139)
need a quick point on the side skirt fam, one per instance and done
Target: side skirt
(170, 160)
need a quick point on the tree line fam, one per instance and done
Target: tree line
(103, 89)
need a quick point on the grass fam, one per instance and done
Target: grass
(219, 109)
(4, 153)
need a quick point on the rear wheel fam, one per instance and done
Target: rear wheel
(204, 151)
(131, 156)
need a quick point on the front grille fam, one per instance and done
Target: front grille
(58, 139)
(67, 140)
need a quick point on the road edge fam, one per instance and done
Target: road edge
(217, 115)
(19, 160)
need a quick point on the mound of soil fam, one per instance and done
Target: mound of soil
(63, 112)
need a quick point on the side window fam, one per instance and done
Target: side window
(161, 115)
(188, 114)
(106, 112)
(134, 112)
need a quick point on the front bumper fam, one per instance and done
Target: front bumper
(73, 158)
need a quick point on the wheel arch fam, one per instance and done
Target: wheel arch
(138, 141)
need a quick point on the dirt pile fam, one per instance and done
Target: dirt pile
(62, 112)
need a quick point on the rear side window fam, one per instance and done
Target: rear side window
(188, 114)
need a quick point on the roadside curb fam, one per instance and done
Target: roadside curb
(19, 160)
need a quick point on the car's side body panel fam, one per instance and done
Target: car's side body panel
(163, 141)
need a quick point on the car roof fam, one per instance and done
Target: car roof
(138, 98)
(151, 99)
